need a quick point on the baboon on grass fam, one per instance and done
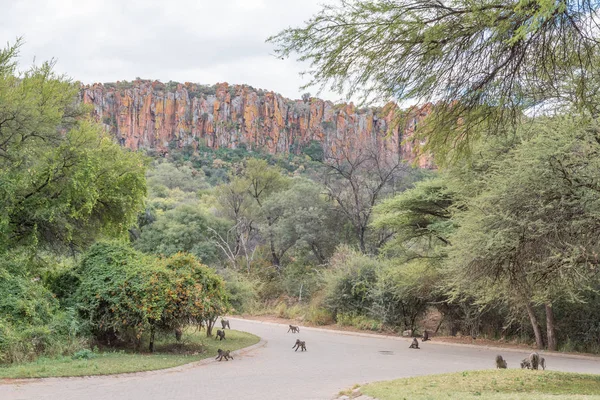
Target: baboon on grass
(220, 334)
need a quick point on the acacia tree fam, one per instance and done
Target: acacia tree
(482, 61)
(530, 236)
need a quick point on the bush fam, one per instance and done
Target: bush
(124, 293)
(241, 291)
(349, 282)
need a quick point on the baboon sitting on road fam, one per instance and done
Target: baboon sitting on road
(501, 362)
(414, 344)
(294, 329)
(220, 334)
(534, 360)
(300, 344)
(223, 354)
(225, 323)
(425, 336)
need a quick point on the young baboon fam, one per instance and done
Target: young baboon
(425, 336)
(501, 362)
(220, 334)
(543, 363)
(225, 323)
(414, 344)
(223, 354)
(294, 329)
(300, 344)
(525, 363)
(534, 360)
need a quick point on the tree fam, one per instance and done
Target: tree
(356, 182)
(186, 228)
(63, 182)
(530, 236)
(264, 180)
(303, 218)
(481, 61)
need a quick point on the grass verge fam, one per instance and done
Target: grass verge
(195, 346)
(489, 384)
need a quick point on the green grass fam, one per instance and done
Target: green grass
(195, 346)
(508, 384)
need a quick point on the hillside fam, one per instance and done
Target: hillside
(153, 115)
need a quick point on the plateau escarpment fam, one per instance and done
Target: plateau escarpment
(152, 115)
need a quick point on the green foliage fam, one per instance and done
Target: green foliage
(314, 150)
(123, 293)
(62, 181)
(350, 282)
(186, 228)
(536, 217)
(242, 292)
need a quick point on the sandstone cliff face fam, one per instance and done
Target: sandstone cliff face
(152, 115)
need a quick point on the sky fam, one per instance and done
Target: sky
(202, 41)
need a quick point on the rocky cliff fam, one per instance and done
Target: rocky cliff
(154, 115)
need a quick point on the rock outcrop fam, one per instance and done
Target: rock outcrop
(153, 115)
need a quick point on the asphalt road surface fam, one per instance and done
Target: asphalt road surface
(334, 361)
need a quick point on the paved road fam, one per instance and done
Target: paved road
(334, 361)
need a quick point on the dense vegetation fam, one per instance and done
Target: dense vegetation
(103, 246)
(69, 195)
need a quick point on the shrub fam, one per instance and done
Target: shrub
(349, 282)
(124, 293)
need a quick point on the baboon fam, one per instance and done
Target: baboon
(225, 323)
(525, 363)
(543, 363)
(534, 360)
(414, 344)
(178, 334)
(501, 362)
(425, 336)
(220, 334)
(300, 344)
(223, 354)
(294, 329)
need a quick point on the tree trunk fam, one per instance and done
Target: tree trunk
(550, 328)
(151, 347)
(210, 324)
(539, 341)
(361, 240)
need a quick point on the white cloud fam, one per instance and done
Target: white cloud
(204, 41)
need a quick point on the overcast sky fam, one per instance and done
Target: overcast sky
(203, 41)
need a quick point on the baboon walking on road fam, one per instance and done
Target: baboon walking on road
(294, 329)
(223, 354)
(300, 344)
(414, 344)
(501, 362)
(225, 323)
